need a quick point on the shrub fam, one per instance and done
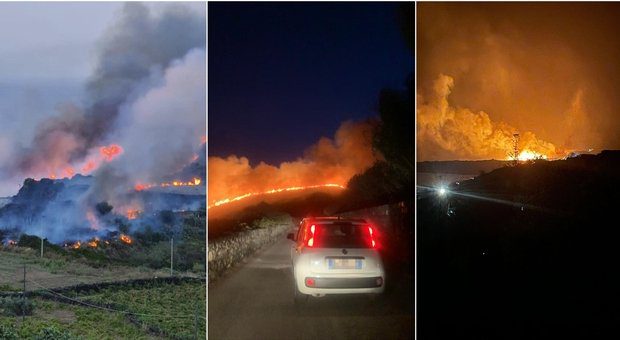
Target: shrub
(16, 306)
(8, 333)
(53, 333)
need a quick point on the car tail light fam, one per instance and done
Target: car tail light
(310, 242)
(310, 282)
(372, 237)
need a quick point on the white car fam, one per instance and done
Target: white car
(333, 255)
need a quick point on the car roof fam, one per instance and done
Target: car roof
(332, 219)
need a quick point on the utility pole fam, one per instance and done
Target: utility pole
(41, 247)
(515, 148)
(24, 297)
(171, 253)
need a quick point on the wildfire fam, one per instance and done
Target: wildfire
(89, 166)
(126, 239)
(195, 182)
(92, 162)
(94, 243)
(111, 151)
(273, 191)
(76, 245)
(527, 155)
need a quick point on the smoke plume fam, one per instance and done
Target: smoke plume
(133, 57)
(446, 132)
(541, 68)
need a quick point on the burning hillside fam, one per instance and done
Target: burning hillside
(142, 126)
(56, 209)
(328, 163)
(487, 72)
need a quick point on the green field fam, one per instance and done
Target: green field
(70, 298)
(167, 311)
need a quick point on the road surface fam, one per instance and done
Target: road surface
(254, 300)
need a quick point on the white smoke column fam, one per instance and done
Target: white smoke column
(162, 129)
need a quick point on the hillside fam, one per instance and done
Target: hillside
(541, 233)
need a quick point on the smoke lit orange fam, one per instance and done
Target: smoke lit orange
(273, 191)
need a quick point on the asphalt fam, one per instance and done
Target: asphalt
(254, 300)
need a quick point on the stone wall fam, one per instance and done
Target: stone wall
(226, 251)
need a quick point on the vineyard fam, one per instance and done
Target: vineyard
(138, 309)
(117, 291)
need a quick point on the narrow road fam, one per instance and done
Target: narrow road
(255, 301)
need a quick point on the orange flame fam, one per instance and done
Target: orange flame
(272, 191)
(93, 243)
(195, 182)
(111, 151)
(126, 239)
(76, 245)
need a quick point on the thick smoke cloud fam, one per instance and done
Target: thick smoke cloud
(327, 161)
(160, 132)
(448, 132)
(542, 68)
(142, 120)
(133, 54)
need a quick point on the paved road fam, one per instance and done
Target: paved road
(255, 301)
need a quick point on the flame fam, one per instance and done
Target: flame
(69, 172)
(526, 155)
(76, 245)
(94, 243)
(142, 186)
(272, 191)
(111, 151)
(126, 239)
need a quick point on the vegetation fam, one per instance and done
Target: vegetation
(16, 306)
(176, 311)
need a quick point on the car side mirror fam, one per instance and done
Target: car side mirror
(290, 236)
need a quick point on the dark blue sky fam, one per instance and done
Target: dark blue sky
(281, 75)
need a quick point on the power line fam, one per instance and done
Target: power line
(111, 309)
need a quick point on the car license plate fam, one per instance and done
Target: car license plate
(344, 264)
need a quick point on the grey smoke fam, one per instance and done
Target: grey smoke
(137, 46)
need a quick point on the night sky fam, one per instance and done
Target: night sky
(281, 76)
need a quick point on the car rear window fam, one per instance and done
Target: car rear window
(342, 235)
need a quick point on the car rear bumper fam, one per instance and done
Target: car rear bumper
(338, 282)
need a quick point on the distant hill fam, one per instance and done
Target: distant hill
(460, 167)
